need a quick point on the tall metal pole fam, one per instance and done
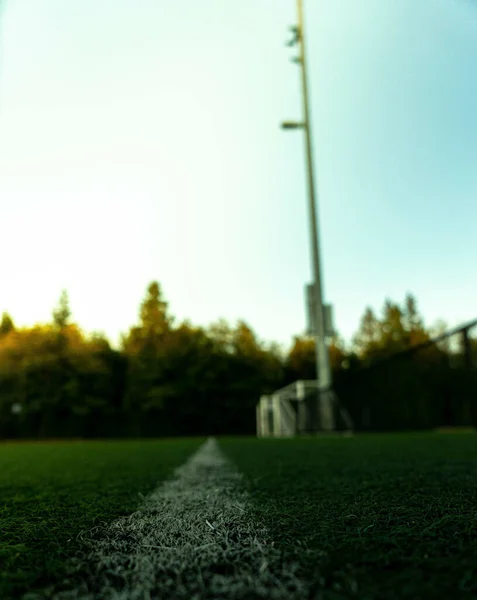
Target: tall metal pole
(323, 369)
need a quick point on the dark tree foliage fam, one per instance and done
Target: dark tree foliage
(169, 379)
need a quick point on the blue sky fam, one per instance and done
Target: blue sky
(140, 141)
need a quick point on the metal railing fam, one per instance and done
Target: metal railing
(428, 386)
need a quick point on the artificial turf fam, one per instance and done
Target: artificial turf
(51, 492)
(368, 517)
(372, 516)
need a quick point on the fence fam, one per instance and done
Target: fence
(429, 386)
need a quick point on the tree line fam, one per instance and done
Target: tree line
(171, 379)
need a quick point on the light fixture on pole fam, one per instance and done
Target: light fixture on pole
(323, 369)
(292, 125)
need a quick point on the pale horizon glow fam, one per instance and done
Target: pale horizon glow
(139, 145)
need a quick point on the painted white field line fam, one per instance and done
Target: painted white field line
(193, 538)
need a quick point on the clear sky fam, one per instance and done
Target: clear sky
(140, 141)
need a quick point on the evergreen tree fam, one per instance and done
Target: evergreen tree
(414, 323)
(6, 324)
(367, 341)
(412, 319)
(154, 324)
(154, 318)
(62, 313)
(393, 337)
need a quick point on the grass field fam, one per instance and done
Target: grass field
(382, 516)
(368, 517)
(51, 492)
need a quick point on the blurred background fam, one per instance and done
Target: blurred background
(154, 235)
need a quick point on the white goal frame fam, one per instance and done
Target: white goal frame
(286, 414)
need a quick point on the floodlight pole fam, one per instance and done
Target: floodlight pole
(323, 369)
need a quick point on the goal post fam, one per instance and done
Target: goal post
(293, 410)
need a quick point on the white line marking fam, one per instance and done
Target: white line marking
(192, 538)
